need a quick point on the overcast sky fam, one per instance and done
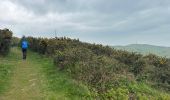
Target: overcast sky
(109, 22)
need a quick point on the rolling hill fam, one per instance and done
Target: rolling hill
(146, 49)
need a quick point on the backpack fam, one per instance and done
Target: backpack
(24, 44)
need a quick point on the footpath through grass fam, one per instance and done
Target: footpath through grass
(35, 79)
(38, 79)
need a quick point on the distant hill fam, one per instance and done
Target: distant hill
(146, 49)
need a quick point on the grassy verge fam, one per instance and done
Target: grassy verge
(58, 84)
(5, 72)
(6, 68)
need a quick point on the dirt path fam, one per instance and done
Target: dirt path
(26, 82)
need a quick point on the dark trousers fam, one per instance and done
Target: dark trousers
(24, 52)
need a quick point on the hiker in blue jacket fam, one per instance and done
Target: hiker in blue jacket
(24, 46)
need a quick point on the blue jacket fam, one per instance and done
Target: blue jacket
(24, 44)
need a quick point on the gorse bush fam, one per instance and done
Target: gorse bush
(15, 42)
(107, 72)
(5, 41)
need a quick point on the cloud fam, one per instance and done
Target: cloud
(112, 22)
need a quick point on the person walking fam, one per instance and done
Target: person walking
(24, 46)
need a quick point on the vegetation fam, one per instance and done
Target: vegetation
(15, 41)
(5, 72)
(98, 72)
(107, 72)
(7, 64)
(5, 41)
(35, 79)
(5, 67)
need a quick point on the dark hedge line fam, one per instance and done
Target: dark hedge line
(5, 41)
(103, 68)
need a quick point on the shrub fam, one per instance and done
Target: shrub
(42, 46)
(103, 69)
(15, 41)
(5, 41)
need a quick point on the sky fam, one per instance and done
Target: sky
(107, 22)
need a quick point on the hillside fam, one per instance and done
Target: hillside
(146, 49)
(65, 68)
(35, 79)
(107, 72)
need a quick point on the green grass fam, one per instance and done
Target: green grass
(142, 90)
(36, 79)
(139, 91)
(59, 85)
(6, 69)
(5, 73)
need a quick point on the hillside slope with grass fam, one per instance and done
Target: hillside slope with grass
(35, 79)
(38, 79)
(108, 73)
(64, 68)
(146, 49)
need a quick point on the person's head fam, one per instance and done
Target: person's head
(23, 37)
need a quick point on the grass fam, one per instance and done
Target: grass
(136, 91)
(5, 73)
(142, 90)
(36, 79)
(6, 69)
(58, 84)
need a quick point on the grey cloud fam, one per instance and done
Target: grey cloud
(101, 21)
